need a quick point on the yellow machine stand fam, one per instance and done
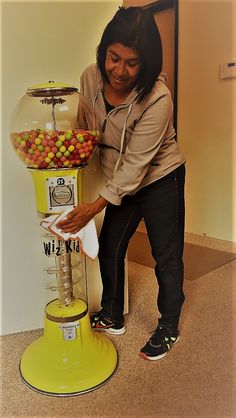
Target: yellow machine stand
(69, 358)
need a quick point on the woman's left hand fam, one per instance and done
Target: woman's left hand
(81, 215)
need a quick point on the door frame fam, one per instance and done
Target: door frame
(158, 6)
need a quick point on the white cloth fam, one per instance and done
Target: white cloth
(87, 236)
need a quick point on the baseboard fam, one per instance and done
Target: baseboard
(209, 242)
(203, 241)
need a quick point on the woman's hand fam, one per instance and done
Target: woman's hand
(81, 215)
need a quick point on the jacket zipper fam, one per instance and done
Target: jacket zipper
(108, 114)
(104, 125)
(121, 106)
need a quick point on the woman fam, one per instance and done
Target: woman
(144, 170)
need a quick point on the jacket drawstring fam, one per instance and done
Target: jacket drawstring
(122, 140)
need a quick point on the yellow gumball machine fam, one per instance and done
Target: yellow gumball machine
(54, 133)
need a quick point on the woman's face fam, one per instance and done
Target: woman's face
(122, 67)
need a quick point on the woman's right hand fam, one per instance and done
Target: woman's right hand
(81, 215)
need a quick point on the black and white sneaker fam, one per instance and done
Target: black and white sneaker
(100, 323)
(160, 343)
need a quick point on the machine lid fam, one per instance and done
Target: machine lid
(51, 88)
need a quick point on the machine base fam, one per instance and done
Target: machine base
(69, 359)
(65, 395)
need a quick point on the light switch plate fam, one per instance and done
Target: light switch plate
(228, 70)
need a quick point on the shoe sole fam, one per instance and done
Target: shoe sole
(111, 331)
(145, 357)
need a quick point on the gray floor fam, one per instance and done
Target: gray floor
(196, 379)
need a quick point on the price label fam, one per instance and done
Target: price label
(69, 331)
(61, 193)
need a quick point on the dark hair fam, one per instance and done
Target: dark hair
(135, 28)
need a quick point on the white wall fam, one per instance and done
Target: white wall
(41, 41)
(207, 115)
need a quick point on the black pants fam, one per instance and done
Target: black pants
(161, 205)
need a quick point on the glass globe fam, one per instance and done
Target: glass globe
(53, 126)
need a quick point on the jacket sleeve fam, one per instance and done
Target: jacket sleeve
(88, 81)
(149, 134)
(85, 115)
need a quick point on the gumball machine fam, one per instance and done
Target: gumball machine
(54, 133)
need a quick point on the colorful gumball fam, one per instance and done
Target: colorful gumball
(41, 149)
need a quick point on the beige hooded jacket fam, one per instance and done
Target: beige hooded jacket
(138, 143)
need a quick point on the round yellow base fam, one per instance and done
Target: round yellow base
(69, 359)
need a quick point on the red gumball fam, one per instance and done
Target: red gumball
(51, 143)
